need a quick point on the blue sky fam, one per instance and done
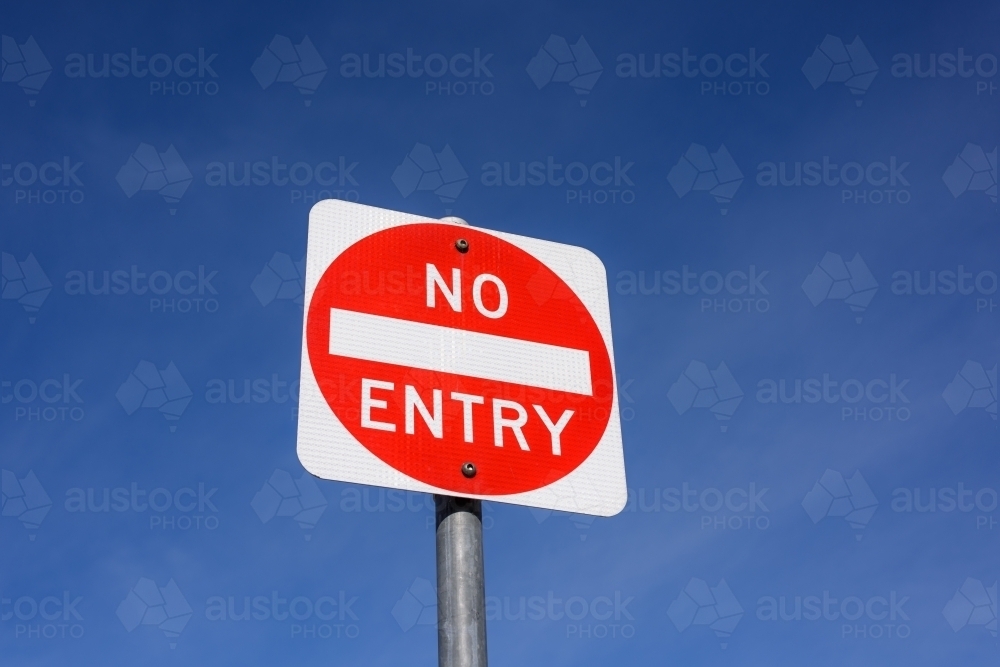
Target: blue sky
(917, 206)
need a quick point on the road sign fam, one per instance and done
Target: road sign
(459, 361)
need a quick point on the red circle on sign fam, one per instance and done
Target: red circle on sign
(385, 275)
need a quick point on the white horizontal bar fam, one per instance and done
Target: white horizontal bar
(445, 350)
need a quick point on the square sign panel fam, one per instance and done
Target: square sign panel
(449, 359)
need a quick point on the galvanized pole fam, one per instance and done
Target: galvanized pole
(461, 587)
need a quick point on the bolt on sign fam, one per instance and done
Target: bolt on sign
(449, 359)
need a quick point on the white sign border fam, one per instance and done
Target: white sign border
(328, 450)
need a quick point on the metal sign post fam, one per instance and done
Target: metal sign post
(461, 582)
(461, 588)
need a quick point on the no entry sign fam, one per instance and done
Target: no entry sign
(455, 360)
